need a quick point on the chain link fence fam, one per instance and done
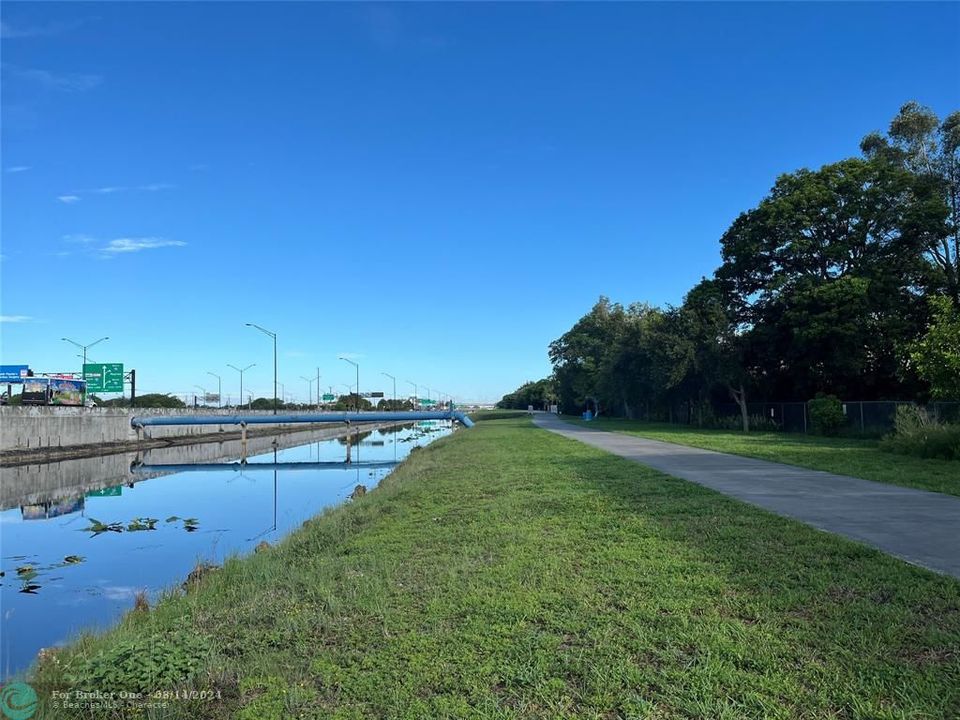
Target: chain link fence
(864, 417)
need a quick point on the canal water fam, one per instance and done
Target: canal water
(80, 538)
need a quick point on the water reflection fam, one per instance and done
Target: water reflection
(82, 537)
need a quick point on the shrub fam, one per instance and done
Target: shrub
(142, 664)
(826, 414)
(919, 433)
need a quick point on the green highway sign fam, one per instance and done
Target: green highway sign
(103, 377)
(327, 397)
(427, 402)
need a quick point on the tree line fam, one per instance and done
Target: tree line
(842, 281)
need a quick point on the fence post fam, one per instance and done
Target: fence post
(804, 418)
(862, 430)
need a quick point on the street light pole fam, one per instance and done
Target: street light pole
(240, 401)
(310, 382)
(318, 389)
(394, 388)
(357, 366)
(219, 389)
(84, 348)
(274, 336)
(416, 404)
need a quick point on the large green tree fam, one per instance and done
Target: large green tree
(825, 274)
(937, 353)
(930, 150)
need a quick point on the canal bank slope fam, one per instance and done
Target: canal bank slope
(509, 572)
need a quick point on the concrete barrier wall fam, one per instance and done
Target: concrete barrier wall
(24, 428)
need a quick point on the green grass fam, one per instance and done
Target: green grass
(844, 456)
(507, 572)
(497, 414)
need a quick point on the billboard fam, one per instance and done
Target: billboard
(36, 391)
(103, 377)
(66, 392)
(211, 398)
(13, 373)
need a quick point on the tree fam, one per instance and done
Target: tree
(720, 342)
(937, 353)
(540, 394)
(930, 150)
(825, 274)
(160, 400)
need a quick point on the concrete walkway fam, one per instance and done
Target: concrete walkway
(920, 527)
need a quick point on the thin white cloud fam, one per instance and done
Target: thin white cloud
(18, 168)
(62, 82)
(121, 246)
(115, 189)
(10, 32)
(79, 238)
(68, 199)
(15, 318)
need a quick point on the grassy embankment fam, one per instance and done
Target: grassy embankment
(506, 572)
(844, 456)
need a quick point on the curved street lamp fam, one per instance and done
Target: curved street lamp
(357, 366)
(219, 388)
(273, 335)
(241, 371)
(394, 388)
(84, 348)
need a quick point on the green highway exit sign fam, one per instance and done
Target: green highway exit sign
(327, 397)
(103, 377)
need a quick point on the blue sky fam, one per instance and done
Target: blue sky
(438, 190)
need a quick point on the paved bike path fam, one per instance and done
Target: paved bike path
(920, 527)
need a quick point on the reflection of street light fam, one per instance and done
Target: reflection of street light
(394, 388)
(241, 379)
(274, 336)
(219, 389)
(416, 404)
(357, 366)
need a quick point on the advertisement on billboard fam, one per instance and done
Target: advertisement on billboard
(66, 392)
(14, 373)
(35, 391)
